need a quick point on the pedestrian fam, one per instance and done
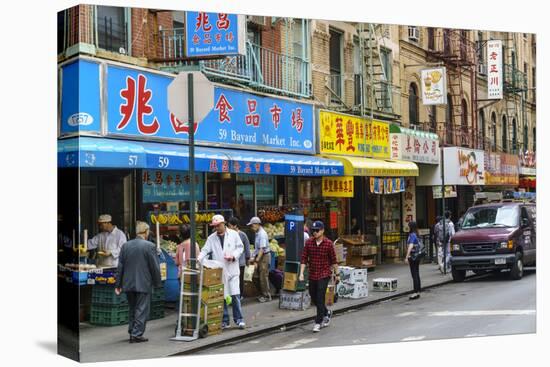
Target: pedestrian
(262, 258)
(183, 250)
(435, 237)
(444, 241)
(138, 272)
(413, 258)
(226, 247)
(245, 256)
(320, 257)
(355, 228)
(307, 226)
(108, 242)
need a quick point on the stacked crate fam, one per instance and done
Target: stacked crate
(359, 252)
(212, 298)
(157, 304)
(353, 283)
(294, 295)
(107, 308)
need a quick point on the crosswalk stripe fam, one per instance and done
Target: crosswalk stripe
(484, 313)
(297, 343)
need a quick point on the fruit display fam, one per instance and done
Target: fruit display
(276, 249)
(176, 219)
(271, 215)
(275, 230)
(105, 280)
(169, 246)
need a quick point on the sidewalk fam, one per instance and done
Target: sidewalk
(111, 343)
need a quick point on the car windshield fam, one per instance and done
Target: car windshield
(501, 216)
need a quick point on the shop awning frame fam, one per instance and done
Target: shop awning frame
(361, 166)
(90, 152)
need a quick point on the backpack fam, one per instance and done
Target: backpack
(447, 238)
(419, 250)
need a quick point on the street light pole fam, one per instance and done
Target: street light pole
(191, 129)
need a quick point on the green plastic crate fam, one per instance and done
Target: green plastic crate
(105, 295)
(156, 314)
(158, 294)
(109, 315)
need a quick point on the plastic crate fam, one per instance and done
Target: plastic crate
(108, 315)
(156, 305)
(105, 295)
(156, 314)
(158, 294)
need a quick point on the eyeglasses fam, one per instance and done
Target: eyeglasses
(315, 230)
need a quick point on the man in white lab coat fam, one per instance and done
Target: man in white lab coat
(108, 242)
(226, 247)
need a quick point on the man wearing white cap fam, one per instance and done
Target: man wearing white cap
(262, 257)
(108, 242)
(226, 247)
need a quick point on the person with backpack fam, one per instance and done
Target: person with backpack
(444, 239)
(415, 253)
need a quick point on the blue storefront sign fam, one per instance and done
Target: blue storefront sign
(212, 34)
(162, 186)
(136, 106)
(80, 97)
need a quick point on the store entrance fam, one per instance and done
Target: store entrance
(246, 201)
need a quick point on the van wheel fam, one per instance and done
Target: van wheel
(516, 273)
(458, 275)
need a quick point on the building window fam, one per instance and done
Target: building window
(481, 128)
(534, 83)
(335, 58)
(431, 38)
(534, 139)
(446, 42)
(525, 137)
(178, 22)
(449, 120)
(504, 134)
(494, 129)
(357, 77)
(433, 118)
(414, 34)
(112, 29)
(413, 104)
(61, 31)
(385, 95)
(514, 136)
(464, 123)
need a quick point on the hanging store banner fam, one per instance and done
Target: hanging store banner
(338, 187)
(264, 186)
(413, 145)
(464, 166)
(162, 186)
(409, 202)
(450, 192)
(434, 86)
(136, 107)
(386, 185)
(350, 135)
(501, 169)
(495, 79)
(214, 34)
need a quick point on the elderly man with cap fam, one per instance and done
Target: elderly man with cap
(138, 272)
(108, 242)
(261, 257)
(320, 257)
(226, 247)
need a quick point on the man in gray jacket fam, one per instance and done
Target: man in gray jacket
(245, 256)
(138, 273)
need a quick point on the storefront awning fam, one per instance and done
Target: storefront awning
(358, 166)
(88, 152)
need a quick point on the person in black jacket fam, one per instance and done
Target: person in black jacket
(138, 273)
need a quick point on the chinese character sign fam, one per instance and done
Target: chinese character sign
(494, 69)
(339, 187)
(501, 169)
(434, 86)
(415, 148)
(162, 186)
(350, 135)
(409, 202)
(212, 34)
(137, 106)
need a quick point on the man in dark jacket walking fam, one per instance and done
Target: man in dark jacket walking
(138, 273)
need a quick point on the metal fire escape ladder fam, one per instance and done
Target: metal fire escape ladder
(377, 76)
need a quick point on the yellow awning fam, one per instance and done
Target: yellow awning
(359, 166)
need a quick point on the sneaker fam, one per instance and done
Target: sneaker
(316, 328)
(225, 326)
(262, 299)
(326, 319)
(241, 325)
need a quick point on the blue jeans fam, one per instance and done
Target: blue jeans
(237, 312)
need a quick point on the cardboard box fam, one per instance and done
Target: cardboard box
(355, 291)
(384, 284)
(290, 281)
(299, 301)
(210, 277)
(339, 250)
(352, 275)
(354, 261)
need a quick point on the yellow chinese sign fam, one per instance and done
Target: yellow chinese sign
(339, 187)
(352, 135)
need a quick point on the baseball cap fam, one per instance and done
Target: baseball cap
(318, 225)
(104, 218)
(217, 219)
(254, 220)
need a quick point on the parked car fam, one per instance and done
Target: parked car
(495, 237)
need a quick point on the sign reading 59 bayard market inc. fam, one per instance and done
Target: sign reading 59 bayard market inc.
(494, 69)
(214, 34)
(434, 86)
(414, 145)
(351, 135)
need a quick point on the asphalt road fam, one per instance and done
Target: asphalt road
(489, 306)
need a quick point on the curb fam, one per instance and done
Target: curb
(303, 320)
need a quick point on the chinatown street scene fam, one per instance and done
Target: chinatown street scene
(234, 183)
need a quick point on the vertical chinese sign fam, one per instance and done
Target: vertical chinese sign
(214, 34)
(494, 69)
(409, 202)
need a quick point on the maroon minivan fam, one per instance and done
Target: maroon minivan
(494, 237)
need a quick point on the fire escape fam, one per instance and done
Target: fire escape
(457, 53)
